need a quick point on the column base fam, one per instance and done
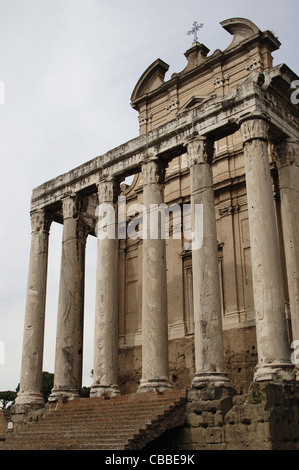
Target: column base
(57, 395)
(104, 390)
(282, 372)
(29, 401)
(154, 385)
(211, 386)
(218, 379)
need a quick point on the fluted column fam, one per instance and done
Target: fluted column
(272, 341)
(208, 336)
(154, 296)
(33, 342)
(69, 339)
(287, 159)
(105, 371)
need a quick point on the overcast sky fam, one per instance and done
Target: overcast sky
(69, 68)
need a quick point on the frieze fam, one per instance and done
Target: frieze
(282, 108)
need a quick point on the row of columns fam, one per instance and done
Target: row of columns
(273, 349)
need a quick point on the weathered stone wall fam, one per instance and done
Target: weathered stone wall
(240, 353)
(3, 422)
(267, 418)
(240, 360)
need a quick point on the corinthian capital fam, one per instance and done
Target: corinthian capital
(70, 207)
(286, 153)
(40, 221)
(153, 171)
(253, 128)
(106, 190)
(200, 150)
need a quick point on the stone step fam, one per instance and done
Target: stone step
(124, 422)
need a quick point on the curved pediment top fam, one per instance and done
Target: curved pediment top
(151, 79)
(240, 28)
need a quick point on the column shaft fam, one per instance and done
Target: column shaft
(155, 368)
(272, 341)
(69, 340)
(287, 159)
(208, 336)
(105, 372)
(32, 356)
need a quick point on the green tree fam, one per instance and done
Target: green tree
(47, 384)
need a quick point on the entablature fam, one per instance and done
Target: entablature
(215, 118)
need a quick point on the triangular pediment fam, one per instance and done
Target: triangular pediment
(195, 101)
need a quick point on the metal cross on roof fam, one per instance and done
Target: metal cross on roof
(196, 27)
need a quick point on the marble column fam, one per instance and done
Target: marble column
(287, 160)
(155, 367)
(208, 336)
(69, 339)
(33, 342)
(272, 341)
(105, 371)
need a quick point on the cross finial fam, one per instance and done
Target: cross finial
(196, 27)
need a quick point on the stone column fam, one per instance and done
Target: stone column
(32, 357)
(272, 341)
(155, 372)
(69, 339)
(208, 336)
(287, 159)
(105, 371)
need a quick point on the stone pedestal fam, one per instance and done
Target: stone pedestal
(32, 356)
(105, 372)
(209, 352)
(69, 340)
(154, 295)
(272, 341)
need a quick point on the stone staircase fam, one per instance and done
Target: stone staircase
(127, 422)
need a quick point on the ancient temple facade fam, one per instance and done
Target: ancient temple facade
(176, 311)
